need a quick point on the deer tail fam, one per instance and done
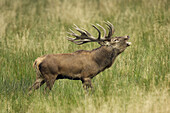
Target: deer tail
(36, 64)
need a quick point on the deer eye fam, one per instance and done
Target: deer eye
(116, 40)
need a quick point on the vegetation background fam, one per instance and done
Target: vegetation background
(138, 82)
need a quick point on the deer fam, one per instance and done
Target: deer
(82, 64)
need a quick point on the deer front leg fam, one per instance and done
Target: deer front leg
(87, 83)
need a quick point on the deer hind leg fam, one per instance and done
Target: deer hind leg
(87, 83)
(50, 79)
(38, 83)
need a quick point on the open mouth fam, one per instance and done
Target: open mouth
(128, 43)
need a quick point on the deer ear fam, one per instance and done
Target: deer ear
(107, 43)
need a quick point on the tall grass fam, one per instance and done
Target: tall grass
(138, 82)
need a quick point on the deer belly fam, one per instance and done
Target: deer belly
(70, 70)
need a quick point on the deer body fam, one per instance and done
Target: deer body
(80, 65)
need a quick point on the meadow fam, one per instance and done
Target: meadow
(138, 81)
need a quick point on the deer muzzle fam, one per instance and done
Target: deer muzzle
(128, 43)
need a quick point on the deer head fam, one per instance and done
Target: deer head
(120, 43)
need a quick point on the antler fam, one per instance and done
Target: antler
(111, 29)
(87, 37)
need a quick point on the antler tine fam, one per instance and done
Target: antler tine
(80, 42)
(103, 30)
(79, 30)
(111, 29)
(82, 32)
(77, 42)
(98, 31)
(73, 34)
(87, 32)
(74, 40)
(70, 39)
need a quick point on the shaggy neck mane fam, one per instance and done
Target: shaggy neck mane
(104, 56)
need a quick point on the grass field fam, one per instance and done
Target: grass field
(138, 82)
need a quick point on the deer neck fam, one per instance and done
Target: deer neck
(104, 56)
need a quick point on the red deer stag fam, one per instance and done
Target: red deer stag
(80, 65)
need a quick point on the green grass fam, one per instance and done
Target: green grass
(138, 82)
